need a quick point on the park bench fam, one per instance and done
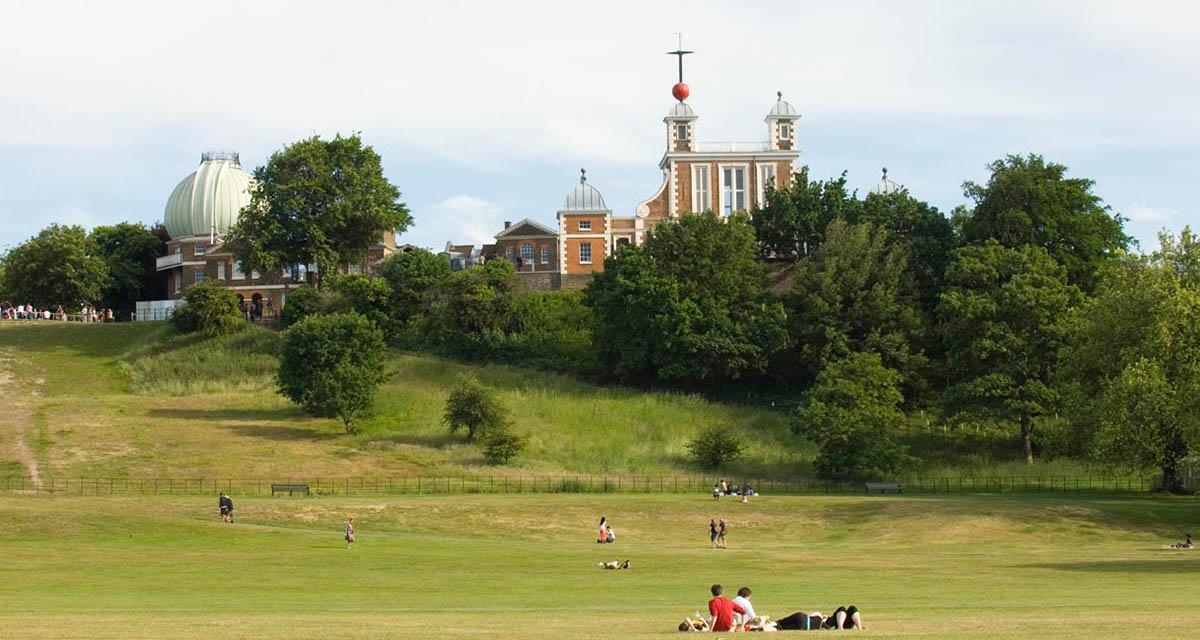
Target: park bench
(289, 488)
(883, 487)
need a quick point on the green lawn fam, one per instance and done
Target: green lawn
(525, 566)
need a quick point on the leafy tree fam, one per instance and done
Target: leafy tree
(413, 277)
(852, 296)
(1002, 316)
(1141, 422)
(1132, 365)
(689, 305)
(851, 413)
(61, 265)
(792, 221)
(322, 202)
(332, 366)
(1181, 256)
(473, 310)
(475, 408)
(368, 297)
(715, 446)
(305, 301)
(921, 230)
(129, 249)
(208, 308)
(1028, 201)
(502, 444)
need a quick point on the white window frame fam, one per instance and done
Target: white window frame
(701, 189)
(730, 202)
(585, 225)
(785, 131)
(588, 246)
(199, 249)
(681, 131)
(763, 178)
(220, 271)
(545, 255)
(354, 268)
(198, 274)
(178, 277)
(510, 254)
(238, 274)
(526, 259)
(254, 274)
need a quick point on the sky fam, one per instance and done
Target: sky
(485, 111)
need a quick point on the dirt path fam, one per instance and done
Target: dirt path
(18, 413)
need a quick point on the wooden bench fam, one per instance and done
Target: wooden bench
(289, 488)
(882, 487)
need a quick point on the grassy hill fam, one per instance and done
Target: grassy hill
(525, 566)
(136, 401)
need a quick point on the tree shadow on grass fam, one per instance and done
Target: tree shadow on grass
(249, 422)
(428, 440)
(276, 414)
(281, 432)
(1162, 564)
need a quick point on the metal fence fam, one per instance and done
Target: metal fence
(508, 484)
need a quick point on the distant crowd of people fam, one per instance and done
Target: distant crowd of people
(29, 312)
(723, 488)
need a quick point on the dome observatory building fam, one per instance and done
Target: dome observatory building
(199, 214)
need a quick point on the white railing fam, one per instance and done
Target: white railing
(732, 147)
(167, 261)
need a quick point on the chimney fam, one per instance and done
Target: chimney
(507, 224)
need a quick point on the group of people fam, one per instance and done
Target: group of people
(738, 614)
(604, 533)
(1187, 543)
(723, 488)
(29, 312)
(716, 533)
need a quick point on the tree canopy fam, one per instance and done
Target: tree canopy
(792, 221)
(332, 366)
(322, 202)
(129, 250)
(61, 265)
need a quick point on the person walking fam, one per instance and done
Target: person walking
(712, 533)
(348, 531)
(226, 505)
(721, 534)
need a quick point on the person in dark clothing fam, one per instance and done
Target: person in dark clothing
(226, 504)
(844, 618)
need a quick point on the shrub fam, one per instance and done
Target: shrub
(715, 446)
(501, 444)
(366, 296)
(208, 308)
(473, 407)
(303, 302)
(331, 365)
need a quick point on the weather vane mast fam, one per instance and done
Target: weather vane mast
(680, 90)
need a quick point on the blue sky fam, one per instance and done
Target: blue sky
(484, 112)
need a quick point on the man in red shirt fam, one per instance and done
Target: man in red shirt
(722, 610)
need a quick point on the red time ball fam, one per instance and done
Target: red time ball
(680, 91)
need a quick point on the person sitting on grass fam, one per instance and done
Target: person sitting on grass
(609, 536)
(843, 618)
(750, 618)
(1186, 544)
(615, 564)
(722, 610)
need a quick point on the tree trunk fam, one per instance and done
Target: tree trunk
(1170, 477)
(1027, 436)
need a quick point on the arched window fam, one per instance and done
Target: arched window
(527, 252)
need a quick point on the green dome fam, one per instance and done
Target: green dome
(210, 199)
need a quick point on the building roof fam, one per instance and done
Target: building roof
(527, 227)
(210, 199)
(782, 109)
(584, 197)
(681, 111)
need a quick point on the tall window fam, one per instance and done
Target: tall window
(766, 176)
(701, 189)
(733, 189)
(785, 131)
(527, 252)
(177, 277)
(237, 271)
(681, 131)
(585, 225)
(220, 271)
(510, 254)
(545, 255)
(585, 253)
(198, 274)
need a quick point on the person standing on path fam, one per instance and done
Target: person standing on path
(348, 530)
(226, 505)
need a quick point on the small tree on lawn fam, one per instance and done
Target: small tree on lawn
(715, 446)
(473, 407)
(850, 413)
(501, 444)
(331, 365)
(208, 308)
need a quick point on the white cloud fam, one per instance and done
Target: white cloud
(1142, 213)
(460, 219)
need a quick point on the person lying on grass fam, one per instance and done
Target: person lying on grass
(691, 625)
(1186, 544)
(615, 564)
(843, 618)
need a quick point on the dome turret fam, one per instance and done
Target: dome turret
(782, 109)
(886, 187)
(584, 197)
(209, 200)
